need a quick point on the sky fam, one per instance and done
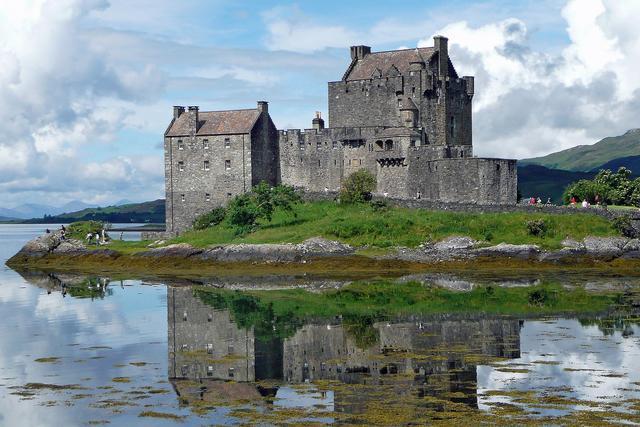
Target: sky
(87, 86)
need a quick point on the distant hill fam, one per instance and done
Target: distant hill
(146, 212)
(631, 162)
(539, 181)
(585, 158)
(37, 210)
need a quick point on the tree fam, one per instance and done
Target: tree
(609, 187)
(246, 210)
(209, 219)
(357, 187)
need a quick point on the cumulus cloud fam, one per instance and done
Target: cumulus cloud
(532, 102)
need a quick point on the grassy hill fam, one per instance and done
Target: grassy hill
(585, 158)
(149, 212)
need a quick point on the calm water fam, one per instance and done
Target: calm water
(80, 350)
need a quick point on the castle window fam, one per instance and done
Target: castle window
(231, 372)
(227, 143)
(413, 90)
(334, 145)
(388, 145)
(302, 145)
(206, 165)
(360, 162)
(318, 145)
(379, 145)
(181, 166)
(182, 198)
(227, 164)
(335, 162)
(207, 197)
(228, 194)
(209, 348)
(205, 144)
(452, 126)
(209, 371)
(412, 143)
(180, 145)
(318, 162)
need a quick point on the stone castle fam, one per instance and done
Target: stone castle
(403, 115)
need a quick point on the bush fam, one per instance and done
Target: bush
(79, 230)
(536, 227)
(244, 211)
(210, 219)
(380, 205)
(624, 226)
(357, 187)
(541, 297)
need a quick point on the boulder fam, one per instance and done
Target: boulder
(510, 251)
(318, 246)
(180, 250)
(605, 247)
(455, 243)
(70, 246)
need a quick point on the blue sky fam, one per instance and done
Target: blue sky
(86, 86)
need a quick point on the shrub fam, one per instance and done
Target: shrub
(380, 205)
(541, 297)
(78, 230)
(357, 187)
(210, 219)
(244, 211)
(623, 225)
(536, 227)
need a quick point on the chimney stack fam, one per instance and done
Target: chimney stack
(317, 122)
(263, 107)
(359, 52)
(441, 44)
(177, 111)
(193, 118)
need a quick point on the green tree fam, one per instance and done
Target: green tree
(210, 219)
(608, 187)
(245, 211)
(357, 187)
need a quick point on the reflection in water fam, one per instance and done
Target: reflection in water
(408, 360)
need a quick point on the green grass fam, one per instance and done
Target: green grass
(362, 225)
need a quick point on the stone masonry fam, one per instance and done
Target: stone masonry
(403, 115)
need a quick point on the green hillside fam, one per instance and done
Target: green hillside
(539, 181)
(146, 212)
(585, 158)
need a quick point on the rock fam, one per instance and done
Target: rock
(509, 250)
(572, 244)
(455, 243)
(42, 244)
(605, 247)
(179, 250)
(563, 255)
(318, 246)
(632, 245)
(70, 246)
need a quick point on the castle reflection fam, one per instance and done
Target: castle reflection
(211, 355)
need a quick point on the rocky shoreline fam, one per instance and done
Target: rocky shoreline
(453, 249)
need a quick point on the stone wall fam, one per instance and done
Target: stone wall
(192, 189)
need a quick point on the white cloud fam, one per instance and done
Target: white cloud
(533, 102)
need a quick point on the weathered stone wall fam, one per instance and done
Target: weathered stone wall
(192, 190)
(204, 342)
(264, 152)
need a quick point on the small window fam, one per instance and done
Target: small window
(318, 162)
(360, 162)
(388, 145)
(209, 348)
(379, 145)
(232, 372)
(181, 166)
(206, 165)
(230, 349)
(412, 143)
(209, 371)
(227, 164)
(205, 144)
(227, 143)
(182, 198)
(334, 144)
(229, 194)
(207, 198)
(180, 145)
(318, 145)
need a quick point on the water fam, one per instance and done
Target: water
(120, 349)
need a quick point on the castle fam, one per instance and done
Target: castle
(403, 115)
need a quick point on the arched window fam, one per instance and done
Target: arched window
(388, 145)
(379, 145)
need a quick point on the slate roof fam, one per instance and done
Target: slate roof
(216, 123)
(365, 67)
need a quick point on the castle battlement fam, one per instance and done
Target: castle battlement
(403, 115)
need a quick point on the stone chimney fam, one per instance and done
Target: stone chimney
(193, 119)
(317, 122)
(470, 85)
(359, 52)
(263, 107)
(177, 110)
(441, 44)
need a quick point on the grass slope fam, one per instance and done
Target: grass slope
(586, 158)
(362, 225)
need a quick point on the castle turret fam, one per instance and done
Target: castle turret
(318, 122)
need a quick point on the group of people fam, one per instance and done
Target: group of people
(538, 201)
(585, 203)
(63, 232)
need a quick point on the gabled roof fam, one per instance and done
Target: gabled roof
(216, 123)
(401, 59)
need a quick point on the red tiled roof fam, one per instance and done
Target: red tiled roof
(365, 67)
(216, 122)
